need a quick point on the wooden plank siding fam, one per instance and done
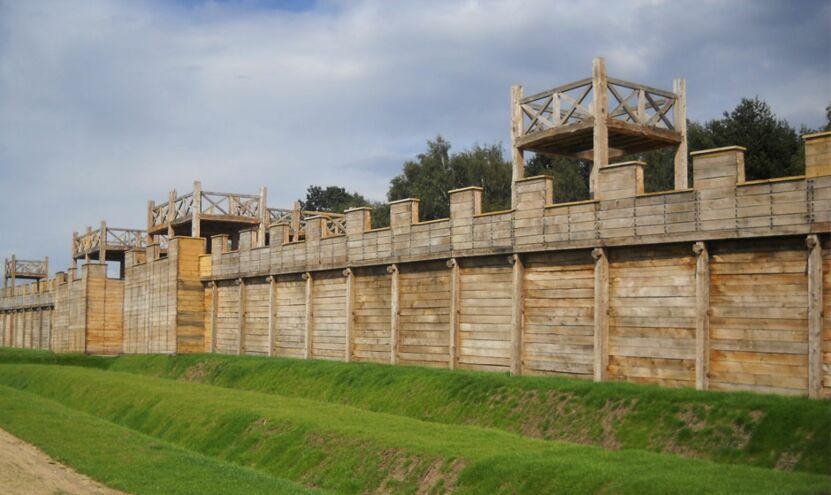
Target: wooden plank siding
(559, 320)
(424, 315)
(291, 310)
(328, 323)
(758, 316)
(485, 314)
(371, 341)
(652, 308)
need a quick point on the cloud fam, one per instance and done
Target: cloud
(105, 104)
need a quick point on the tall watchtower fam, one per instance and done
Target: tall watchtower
(597, 119)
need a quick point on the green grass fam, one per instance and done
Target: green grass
(125, 459)
(352, 450)
(740, 428)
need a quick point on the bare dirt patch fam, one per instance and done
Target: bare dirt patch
(26, 470)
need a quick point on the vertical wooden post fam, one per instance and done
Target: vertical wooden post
(679, 87)
(455, 311)
(46, 266)
(814, 316)
(214, 312)
(517, 157)
(516, 313)
(171, 213)
(307, 341)
(601, 313)
(241, 318)
(395, 312)
(196, 211)
(349, 314)
(87, 244)
(102, 243)
(600, 105)
(151, 205)
(702, 315)
(264, 217)
(272, 321)
(14, 273)
(295, 221)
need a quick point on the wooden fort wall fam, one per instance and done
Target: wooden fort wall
(721, 286)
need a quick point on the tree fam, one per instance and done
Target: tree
(571, 177)
(332, 199)
(773, 146)
(435, 172)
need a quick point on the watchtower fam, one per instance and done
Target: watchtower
(576, 120)
(24, 269)
(105, 244)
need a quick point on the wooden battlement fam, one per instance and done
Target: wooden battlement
(14, 268)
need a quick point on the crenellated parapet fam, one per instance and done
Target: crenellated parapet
(721, 204)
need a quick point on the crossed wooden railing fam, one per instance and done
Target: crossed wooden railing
(209, 203)
(334, 223)
(28, 268)
(571, 104)
(107, 238)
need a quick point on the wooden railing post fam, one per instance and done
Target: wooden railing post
(600, 108)
(196, 211)
(679, 87)
(455, 311)
(264, 218)
(349, 313)
(102, 243)
(601, 313)
(517, 158)
(814, 316)
(171, 213)
(702, 315)
(395, 312)
(295, 221)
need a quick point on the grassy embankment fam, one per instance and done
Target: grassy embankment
(743, 428)
(352, 450)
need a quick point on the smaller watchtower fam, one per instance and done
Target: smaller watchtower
(597, 119)
(24, 269)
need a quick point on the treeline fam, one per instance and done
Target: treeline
(774, 149)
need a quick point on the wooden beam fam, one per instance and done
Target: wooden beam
(601, 313)
(151, 205)
(702, 315)
(295, 221)
(264, 217)
(272, 319)
(102, 243)
(395, 312)
(679, 87)
(196, 211)
(600, 107)
(814, 316)
(349, 314)
(214, 312)
(171, 213)
(455, 311)
(309, 324)
(516, 313)
(241, 318)
(517, 158)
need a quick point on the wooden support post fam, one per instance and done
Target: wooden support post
(151, 205)
(601, 313)
(349, 314)
(241, 318)
(87, 244)
(264, 217)
(455, 311)
(517, 156)
(814, 316)
(309, 324)
(702, 315)
(516, 313)
(272, 320)
(679, 87)
(102, 243)
(600, 106)
(295, 221)
(14, 273)
(395, 312)
(171, 214)
(196, 211)
(46, 266)
(214, 312)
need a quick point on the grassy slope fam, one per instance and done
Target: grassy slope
(726, 427)
(122, 458)
(353, 450)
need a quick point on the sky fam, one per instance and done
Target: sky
(106, 104)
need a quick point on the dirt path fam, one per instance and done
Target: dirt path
(26, 470)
